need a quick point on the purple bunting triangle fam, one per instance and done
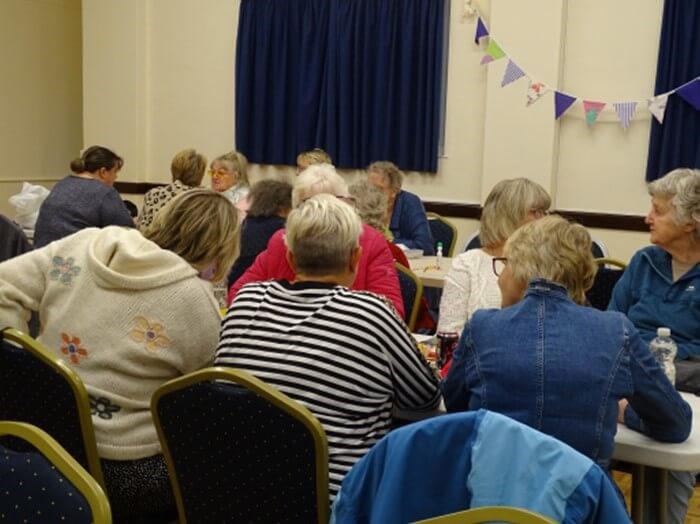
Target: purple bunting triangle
(481, 30)
(691, 93)
(512, 73)
(562, 102)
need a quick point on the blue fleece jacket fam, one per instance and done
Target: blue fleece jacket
(647, 294)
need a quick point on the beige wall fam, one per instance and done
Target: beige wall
(40, 106)
(172, 87)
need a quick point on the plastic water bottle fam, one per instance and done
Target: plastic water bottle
(438, 255)
(664, 349)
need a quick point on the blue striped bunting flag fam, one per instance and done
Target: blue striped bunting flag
(625, 112)
(513, 72)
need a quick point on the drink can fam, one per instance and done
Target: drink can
(446, 344)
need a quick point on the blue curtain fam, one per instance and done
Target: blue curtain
(359, 78)
(676, 142)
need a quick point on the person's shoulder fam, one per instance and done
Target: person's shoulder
(370, 235)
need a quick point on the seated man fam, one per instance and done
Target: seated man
(376, 271)
(344, 354)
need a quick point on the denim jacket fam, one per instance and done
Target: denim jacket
(561, 368)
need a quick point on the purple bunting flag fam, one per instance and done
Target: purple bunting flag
(562, 102)
(481, 30)
(513, 72)
(691, 93)
(625, 112)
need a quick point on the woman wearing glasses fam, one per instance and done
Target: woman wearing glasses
(229, 176)
(470, 283)
(558, 366)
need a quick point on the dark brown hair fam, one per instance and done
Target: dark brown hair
(95, 158)
(269, 197)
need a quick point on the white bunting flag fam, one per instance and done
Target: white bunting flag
(657, 106)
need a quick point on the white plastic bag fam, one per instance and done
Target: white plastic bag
(27, 203)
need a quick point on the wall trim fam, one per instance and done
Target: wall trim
(471, 211)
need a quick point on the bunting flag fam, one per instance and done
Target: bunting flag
(562, 102)
(657, 106)
(690, 92)
(493, 52)
(535, 91)
(481, 30)
(592, 110)
(513, 72)
(625, 112)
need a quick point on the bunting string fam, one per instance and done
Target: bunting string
(563, 101)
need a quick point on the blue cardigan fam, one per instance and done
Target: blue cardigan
(453, 462)
(648, 296)
(409, 224)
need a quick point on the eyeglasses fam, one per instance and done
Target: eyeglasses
(498, 264)
(219, 173)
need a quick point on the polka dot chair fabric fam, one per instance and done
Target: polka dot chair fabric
(33, 490)
(237, 456)
(33, 391)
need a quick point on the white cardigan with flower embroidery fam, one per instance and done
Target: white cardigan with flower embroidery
(125, 314)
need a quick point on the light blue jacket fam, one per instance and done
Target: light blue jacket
(468, 460)
(648, 296)
(561, 368)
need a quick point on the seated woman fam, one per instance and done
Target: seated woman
(558, 366)
(344, 354)
(406, 218)
(187, 169)
(661, 285)
(271, 202)
(376, 271)
(470, 284)
(312, 157)
(127, 314)
(229, 176)
(371, 205)
(85, 199)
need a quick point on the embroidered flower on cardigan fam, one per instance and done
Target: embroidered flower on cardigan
(64, 270)
(72, 348)
(152, 334)
(103, 407)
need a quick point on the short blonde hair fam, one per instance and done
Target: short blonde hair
(202, 227)
(321, 234)
(317, 179)
(556, 250)
(507, 206)
(188, 167)
(370, 203)
(314, 156)
(682, 187)
(236, 162)
(391, 172)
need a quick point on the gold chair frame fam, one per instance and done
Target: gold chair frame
(272, 395)
(45, 355)
(412, 316)
(65, 464)
(449, 250)
(490, 514)
(610, 262)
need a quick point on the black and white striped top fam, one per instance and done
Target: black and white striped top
(344, 354)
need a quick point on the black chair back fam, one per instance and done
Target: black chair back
(38, 388)
(605, 279)
(443, 231)
(411, 293)
(241, 451)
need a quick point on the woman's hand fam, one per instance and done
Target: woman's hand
(621, 406)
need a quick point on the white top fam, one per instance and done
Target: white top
(237, 193)
(470, 284)
(121, 312)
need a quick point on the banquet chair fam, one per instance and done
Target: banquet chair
(443, 231)
(473, 242)
(37, 387)
(609, 272)
(238, 450)
(411, 293)
(46, 484)
(490, 514)
(475, 459)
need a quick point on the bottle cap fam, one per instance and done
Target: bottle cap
(439, 244)
(663, 332)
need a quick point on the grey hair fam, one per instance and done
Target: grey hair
(682, 187)
(316, 179)
(321, 234)
(370, 202)
(391, 172)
